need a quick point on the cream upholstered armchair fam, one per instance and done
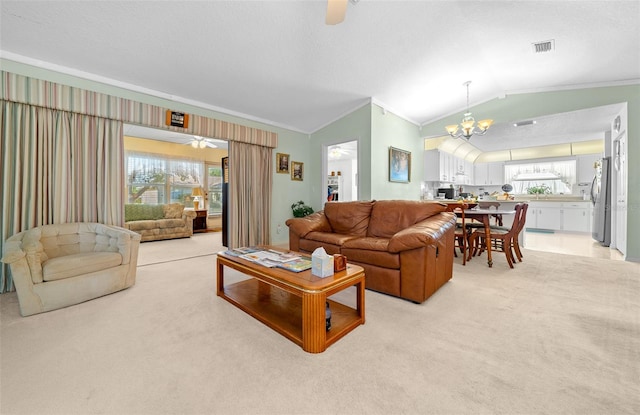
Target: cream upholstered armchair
(54, 266)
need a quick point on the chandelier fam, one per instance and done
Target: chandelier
(466, 126)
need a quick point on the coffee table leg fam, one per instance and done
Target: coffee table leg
(314, 335)
(220, 279)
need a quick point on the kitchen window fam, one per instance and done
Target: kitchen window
(552, 177)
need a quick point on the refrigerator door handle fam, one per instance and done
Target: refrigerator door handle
(593, 188)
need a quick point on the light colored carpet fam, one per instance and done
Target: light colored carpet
(559, 334)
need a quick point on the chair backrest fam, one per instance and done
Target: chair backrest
(523, 217)
(517, 218)
(458, 209)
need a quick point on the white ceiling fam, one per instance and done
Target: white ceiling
(279, 63)
(166, 135)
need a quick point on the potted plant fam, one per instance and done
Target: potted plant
(301, 210)
(539, 190)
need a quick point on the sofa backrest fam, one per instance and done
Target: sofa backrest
(349, 218)
(173, 210)
(388, 217)
(70, 238)
(141, 211)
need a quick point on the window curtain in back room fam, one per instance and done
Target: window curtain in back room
(58, 167)
(250, 183)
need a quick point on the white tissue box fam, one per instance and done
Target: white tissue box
(321, 263)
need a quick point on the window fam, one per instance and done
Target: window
(157, 179)
(553, 177)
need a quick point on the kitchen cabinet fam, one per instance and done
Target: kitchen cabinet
(439, 166)
(560, 216)
(548, 218)
(489, 174)
(576, 217)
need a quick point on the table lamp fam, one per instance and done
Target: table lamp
(197, 193)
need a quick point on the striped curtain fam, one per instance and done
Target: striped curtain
(58, 167)
(250, 182)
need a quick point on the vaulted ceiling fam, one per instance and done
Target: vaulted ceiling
(279, 63)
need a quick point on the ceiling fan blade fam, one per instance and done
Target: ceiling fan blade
(336, 10)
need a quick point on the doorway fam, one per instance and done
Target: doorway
(341, 172)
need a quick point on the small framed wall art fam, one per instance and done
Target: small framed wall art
(297, 170)
(399, 165)
(282, 163)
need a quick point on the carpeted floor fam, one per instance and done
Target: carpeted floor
(559, 334)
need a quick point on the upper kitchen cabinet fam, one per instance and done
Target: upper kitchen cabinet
(489, 174)
(440, 166)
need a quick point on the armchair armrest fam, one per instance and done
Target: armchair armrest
(316, 222)
(12, 252)
(422, 233)
(122, 238)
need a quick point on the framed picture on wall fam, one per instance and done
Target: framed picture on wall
(282, 163)
(297, 170)
(399, 165)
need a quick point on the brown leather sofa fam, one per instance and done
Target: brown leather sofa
(405, 247)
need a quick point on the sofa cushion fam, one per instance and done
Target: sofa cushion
(391, 216)
(349, 217)
(173, 211)
(170, 223)
(78, 264)
(138, 211)
(330, 238)
(371, 251)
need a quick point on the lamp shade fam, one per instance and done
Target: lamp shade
(197, 191)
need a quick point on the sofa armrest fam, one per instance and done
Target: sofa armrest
(316, 222)
(423, 233)
(189, 214)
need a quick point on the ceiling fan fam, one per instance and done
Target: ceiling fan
(336, 10)
(337, 152)
(202, 142)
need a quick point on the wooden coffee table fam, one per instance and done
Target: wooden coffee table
(293, 304)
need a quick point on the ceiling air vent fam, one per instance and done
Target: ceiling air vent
(546, 46)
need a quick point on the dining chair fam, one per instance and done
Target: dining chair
(462, 232)
(515, 243)
(501, 238)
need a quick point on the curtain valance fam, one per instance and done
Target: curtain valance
(23, 89)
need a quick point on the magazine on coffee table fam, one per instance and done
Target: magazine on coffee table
(297, 265)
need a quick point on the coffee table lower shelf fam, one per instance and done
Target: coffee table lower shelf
(282, 311)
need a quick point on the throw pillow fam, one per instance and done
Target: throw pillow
(173, 211)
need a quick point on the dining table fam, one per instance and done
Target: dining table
(484, 216)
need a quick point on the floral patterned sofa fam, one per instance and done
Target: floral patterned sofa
(157, 222)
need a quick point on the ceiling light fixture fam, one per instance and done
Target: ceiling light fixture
(201, 142)
(466, 127)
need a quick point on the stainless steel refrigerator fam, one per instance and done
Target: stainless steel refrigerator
(601, 199)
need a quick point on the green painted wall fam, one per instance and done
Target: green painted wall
(525, 106)
(354, 126)
(389, 130)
